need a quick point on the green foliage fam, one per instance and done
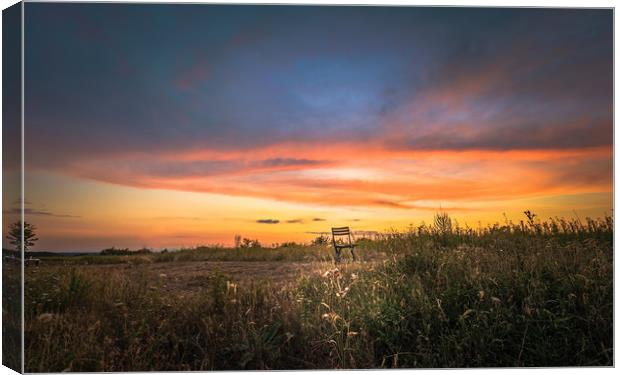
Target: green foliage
(114, 251)
(15, 235)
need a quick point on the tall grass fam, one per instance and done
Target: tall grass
(518, 294)
(296, 253)
(11, 315)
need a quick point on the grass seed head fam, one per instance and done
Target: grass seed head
(45, 317)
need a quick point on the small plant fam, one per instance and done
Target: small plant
(288, 244)
(15, 235)
(250, 244)
(442, 227)
(443, 223)
(321, 240)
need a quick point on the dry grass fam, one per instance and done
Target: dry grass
(297, 253)
(11, 315)
(530, 294)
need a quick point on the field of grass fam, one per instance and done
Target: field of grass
(11, 316)
(525, 294)
(204, 253)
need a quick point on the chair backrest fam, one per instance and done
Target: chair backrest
(341, 232)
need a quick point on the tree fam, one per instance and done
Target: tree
(15, 235)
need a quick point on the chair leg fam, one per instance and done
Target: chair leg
(338, 255)
(353, 254)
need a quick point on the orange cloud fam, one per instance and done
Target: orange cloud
(352, 175)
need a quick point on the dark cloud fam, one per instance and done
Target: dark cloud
(35, 212)
(573, 134)
(318, 219)
(268, 221)
(182, 169)
(249, 81)
(157, 168)
(295, 221)
(391, 204)
(541, 80)
(110, 99)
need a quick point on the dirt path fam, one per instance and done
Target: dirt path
(186, 278)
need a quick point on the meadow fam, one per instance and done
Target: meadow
(532, 293)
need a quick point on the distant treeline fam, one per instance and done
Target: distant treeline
(114, 251)
(41, 254)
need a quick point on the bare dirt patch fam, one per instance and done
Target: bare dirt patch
(183, 278)
(191, 277)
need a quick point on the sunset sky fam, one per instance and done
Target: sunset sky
(178, 125)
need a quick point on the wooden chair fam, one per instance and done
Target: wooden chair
(344, 241)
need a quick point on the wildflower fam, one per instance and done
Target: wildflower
(467, 313)
(45, 317)
(481, 295)
(231, 287)
(354, 276)
(352, 333)
(94, 326)
(342, 293)
(119, 304)
(332, 317)
(333, 272)
(496, 301)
